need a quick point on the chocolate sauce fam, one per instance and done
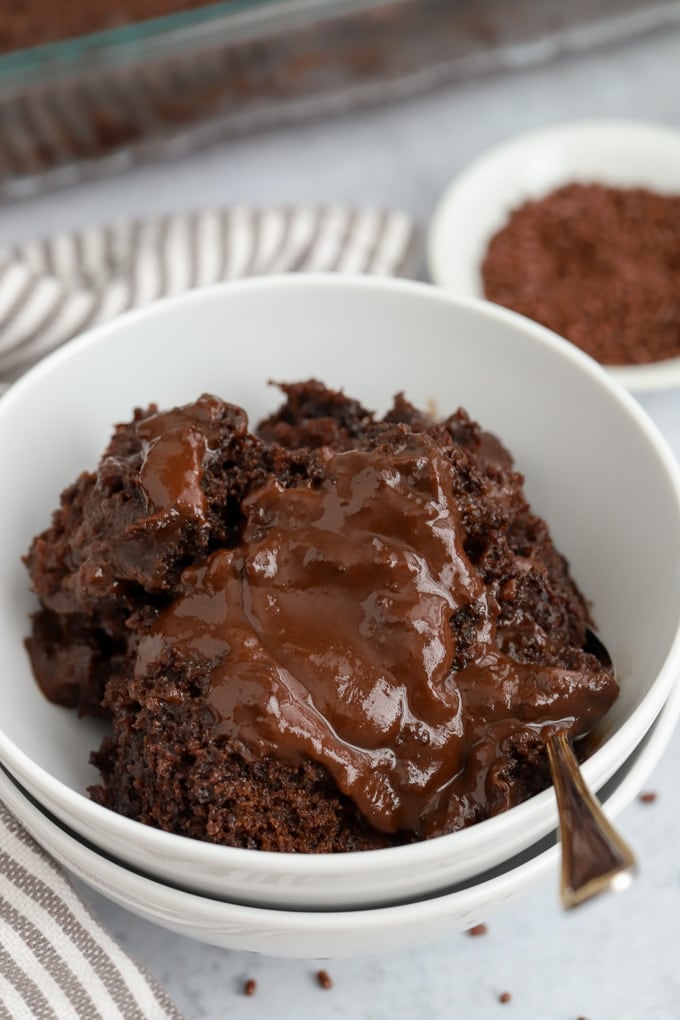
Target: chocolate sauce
(176, 446)
(327, 632)
(337, 635)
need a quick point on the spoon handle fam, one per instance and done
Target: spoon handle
(595, 858)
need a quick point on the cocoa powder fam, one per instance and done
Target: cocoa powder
(598, 265)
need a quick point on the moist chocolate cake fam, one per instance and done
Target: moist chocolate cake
(334, 633)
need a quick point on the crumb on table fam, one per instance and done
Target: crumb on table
(324, 979)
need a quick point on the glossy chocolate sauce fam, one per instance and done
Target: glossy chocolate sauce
(327, 631)
(169, 513)
(176, 446)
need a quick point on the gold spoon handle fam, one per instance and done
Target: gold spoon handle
(595, 858)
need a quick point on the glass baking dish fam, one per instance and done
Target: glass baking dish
(97, 103)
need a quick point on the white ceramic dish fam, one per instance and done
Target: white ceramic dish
(477, 203)
(330, 934)
(596, 468)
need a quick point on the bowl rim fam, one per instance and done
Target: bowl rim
(326, 865)
(655, 375)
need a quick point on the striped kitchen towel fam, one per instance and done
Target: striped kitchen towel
(56, 960)
(53, 289)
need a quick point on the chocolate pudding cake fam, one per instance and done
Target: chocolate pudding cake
(334, 633)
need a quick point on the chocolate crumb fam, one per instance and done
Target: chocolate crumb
(597, 265)
(581, 1018)
(648, 797)
(504, 997)
(250, 986)
(478, 929)
(324, 979)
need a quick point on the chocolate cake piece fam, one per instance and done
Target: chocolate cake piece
(336, 633)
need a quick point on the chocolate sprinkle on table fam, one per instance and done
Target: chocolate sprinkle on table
(505, 997)
(250, 986)
(649, 797)
(478, 929)
(324, 979)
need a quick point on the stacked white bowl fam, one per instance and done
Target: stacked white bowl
(595, 468)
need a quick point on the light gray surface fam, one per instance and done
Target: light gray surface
(618, 959)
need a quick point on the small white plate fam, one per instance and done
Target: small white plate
(477, 202)
(326, 934)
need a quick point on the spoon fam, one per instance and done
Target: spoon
(595, 857)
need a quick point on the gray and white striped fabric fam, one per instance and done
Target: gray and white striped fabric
(56, 961)
(53, 289)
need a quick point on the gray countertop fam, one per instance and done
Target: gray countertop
(614, 960)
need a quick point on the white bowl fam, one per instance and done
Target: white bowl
(596, 468)
(478, 201)
(333, 933)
